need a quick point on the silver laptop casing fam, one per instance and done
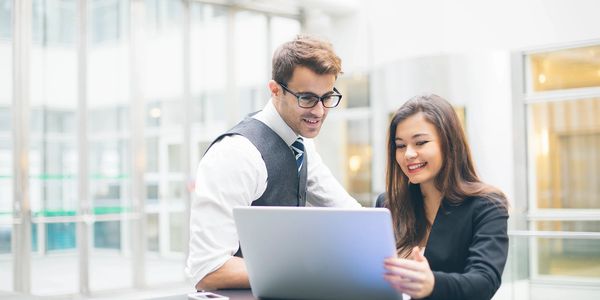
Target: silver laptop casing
(315, 252)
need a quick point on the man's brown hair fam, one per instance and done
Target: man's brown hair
(307, 51)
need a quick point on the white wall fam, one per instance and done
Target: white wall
(459, 50)
(401, 29)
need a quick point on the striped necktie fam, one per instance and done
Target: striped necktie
(298, 148)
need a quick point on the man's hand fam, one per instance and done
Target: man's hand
(231, 275)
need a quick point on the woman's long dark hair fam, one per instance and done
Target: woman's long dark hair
(456, 180)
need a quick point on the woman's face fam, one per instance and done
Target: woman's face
(418, 149)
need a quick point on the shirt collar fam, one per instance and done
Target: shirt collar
(270, 117)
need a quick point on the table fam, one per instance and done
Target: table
(245, 294)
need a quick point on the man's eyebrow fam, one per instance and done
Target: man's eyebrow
(315, 94)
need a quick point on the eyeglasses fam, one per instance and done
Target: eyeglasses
(311, 100)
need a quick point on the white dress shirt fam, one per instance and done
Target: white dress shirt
(232, 173)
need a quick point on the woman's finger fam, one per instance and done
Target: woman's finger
(406, 273)
(404, 286)
(404, 263)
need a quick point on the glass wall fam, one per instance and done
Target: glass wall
(210, 83)
(6, 157)
(229, 62)
(282, 30)
(564, 69)
(251, 62)
(563, 125)
(162, 91)
(53, 144)
(109, 135)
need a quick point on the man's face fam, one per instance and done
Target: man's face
(306, 122)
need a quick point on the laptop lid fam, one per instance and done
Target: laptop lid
(316, 252)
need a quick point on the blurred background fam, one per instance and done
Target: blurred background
(106, 107)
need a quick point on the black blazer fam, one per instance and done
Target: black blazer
(467, 249)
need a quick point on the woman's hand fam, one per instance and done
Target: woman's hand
(410, 276)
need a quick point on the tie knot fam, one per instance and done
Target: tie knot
(298, 148)
(298, 145)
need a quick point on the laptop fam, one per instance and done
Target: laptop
(316, 252)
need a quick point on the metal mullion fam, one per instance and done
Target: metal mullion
(21, 236)
(84, 205)
(521, 200)
(560, 46)
(231, 101)
(187, 111)
(89, 218)
(562, 95)
(55, 220)
(268, 54)
(138, 236)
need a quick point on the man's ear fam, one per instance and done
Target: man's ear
(274, 88)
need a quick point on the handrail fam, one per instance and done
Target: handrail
(555, 234)
(564, 215)
(88, 218)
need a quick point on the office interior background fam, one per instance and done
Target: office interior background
(106, 107)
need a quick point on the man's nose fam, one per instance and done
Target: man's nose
(319, 109)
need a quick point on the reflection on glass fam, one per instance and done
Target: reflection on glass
(5, 264)
(345, 147)
(582, 226)
(565, 267)
(174, 152)
(358, 160)
(565, 69)
(109, 135)
(355, 89)
(53, 147)
(6, 157)
(5, 19)
(54, 22)
(5, 237)
(209, 27)
(107, 235)
(565, 144)
(176, 231)
(208, 47)
(152, 232)
(151, 193)
(106, 22)
(569, 257)
(251, 57)
(162, 66)
(53, 157)
(282, 30)
(60, 236)
(164, 114)
(109, 169)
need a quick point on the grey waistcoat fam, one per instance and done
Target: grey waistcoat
(285, 187)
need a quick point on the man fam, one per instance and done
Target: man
(267, 159)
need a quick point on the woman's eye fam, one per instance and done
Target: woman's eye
(400, 146)
(421, 143)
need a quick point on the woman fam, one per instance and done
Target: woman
(450, 227)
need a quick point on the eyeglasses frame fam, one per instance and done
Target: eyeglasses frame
(321, 98)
